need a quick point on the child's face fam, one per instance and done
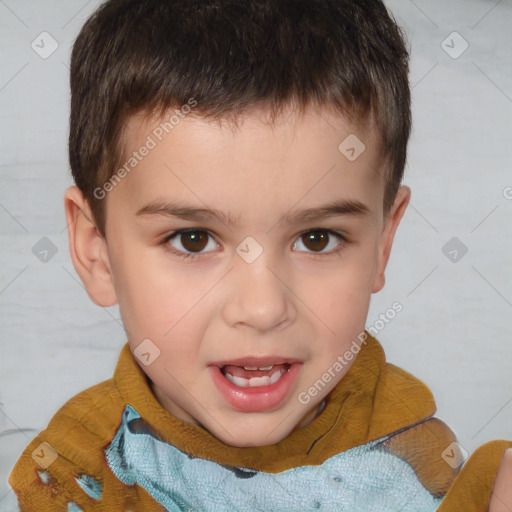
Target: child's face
(260, 287)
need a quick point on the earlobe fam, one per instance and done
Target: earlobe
(88, 249)
(391, 223)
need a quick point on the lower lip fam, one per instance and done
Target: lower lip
(257, 398)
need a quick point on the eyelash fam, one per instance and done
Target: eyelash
(193, 256)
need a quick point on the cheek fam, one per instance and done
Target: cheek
(149, 299)
(346, 287)
(166, 305)
(342, 306)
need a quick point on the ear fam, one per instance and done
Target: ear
(88, 249)
(391, 222)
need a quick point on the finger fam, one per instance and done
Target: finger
(501, 499)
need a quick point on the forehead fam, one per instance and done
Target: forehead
(307, 157)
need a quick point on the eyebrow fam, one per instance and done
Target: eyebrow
(349, 207)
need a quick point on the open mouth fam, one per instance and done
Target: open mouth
(258, 388)
(249, 376)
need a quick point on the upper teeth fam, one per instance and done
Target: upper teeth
(255, 381)
(259, 368)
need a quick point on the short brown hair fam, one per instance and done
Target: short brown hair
(230, 55)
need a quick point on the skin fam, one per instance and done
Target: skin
(501, 500)
(297, 299)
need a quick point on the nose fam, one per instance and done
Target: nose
(258, 297)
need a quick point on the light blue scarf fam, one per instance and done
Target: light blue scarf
(364, 478)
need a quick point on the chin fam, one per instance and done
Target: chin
(258, 434)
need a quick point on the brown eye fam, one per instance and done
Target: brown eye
(189, 242)
(316, 240)
(194, 240)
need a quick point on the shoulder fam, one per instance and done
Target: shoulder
(64, 466)
(91, 417)
(94, 412)
(400, 400)
(405, 405)
(394, 383)
(65, 459)
(430, 448)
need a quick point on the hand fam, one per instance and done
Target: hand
(501, 499)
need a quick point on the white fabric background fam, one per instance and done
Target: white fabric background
(455, 330)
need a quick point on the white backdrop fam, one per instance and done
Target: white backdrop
(455, 330)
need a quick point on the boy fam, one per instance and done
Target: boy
(238, 168)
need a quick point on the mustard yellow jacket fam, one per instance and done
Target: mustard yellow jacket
(71, 465)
